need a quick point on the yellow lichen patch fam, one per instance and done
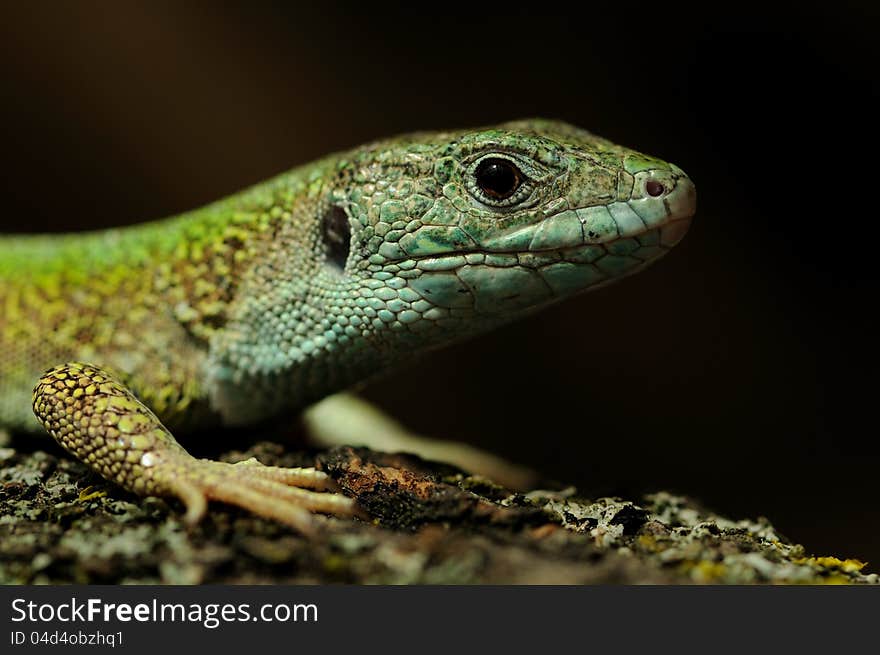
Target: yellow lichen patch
(835, 580)
(705, 571)
(845, 565)
(649, 543)
(88, 494)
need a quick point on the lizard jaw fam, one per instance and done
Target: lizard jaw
(499, 283)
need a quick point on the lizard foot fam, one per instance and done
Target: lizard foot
(100, 422)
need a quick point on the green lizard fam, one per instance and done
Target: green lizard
(324, 276)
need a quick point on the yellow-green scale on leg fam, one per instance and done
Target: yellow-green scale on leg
(99, 421)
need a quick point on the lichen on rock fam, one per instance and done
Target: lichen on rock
(431, 523)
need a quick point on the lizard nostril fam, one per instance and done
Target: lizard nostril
(654, 188)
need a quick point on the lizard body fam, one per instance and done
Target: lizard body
(319, 278)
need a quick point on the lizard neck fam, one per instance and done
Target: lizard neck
(144, 301)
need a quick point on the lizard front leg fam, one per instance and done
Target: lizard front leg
(100, 422)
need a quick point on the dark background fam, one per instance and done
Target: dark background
(741, 369)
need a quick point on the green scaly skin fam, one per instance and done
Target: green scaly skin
(306, 284)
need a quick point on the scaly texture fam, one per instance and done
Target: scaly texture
(331, 273)
(97, 419)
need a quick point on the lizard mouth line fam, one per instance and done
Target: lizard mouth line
(674, 226)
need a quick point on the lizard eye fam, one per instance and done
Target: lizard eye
(499, 181)
(498, 178)
(336, 231)
(654, 188)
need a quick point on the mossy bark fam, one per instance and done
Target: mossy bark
(431, 524)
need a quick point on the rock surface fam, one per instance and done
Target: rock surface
(432, 524)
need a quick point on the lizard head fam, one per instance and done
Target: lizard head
(408, 243)
(458, 230)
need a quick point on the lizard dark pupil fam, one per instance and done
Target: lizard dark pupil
(498, 178)
(337, 235)
(654, 188)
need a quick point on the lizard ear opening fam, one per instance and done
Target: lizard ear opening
(336, 232)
